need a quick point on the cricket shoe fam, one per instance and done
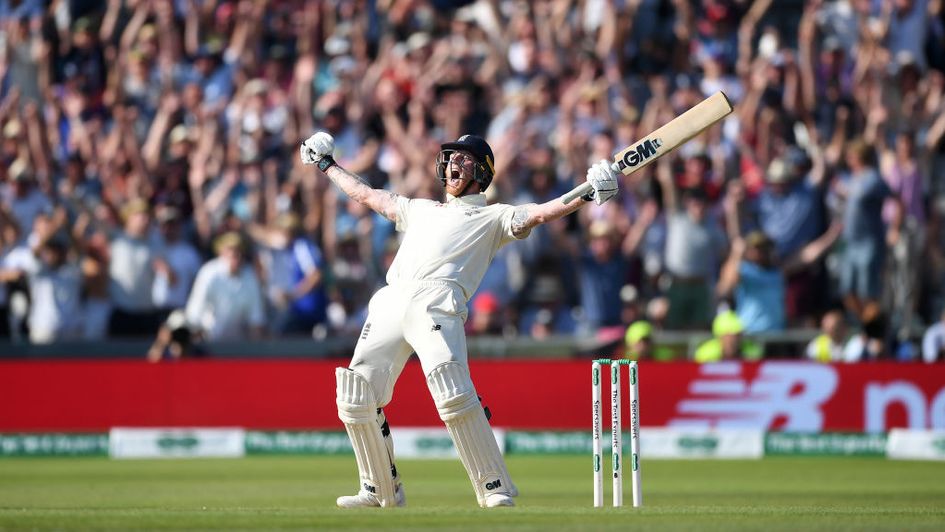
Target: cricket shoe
(366, 499)
(495, 500)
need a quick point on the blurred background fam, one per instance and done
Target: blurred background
(152, 202)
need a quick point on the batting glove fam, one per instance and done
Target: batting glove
(603, 179)
(317, 147)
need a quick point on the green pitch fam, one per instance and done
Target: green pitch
(289, 492)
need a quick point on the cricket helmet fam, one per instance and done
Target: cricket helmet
(483, 170)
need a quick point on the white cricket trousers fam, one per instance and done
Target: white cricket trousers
(425, 317)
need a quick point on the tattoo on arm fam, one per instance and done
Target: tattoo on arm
(381, 201)
(519, 221)
(347, 181)
(389, 205)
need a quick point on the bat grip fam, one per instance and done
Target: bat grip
(577, 192)
(582, 189)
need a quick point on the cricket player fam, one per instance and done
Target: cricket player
(445, 251)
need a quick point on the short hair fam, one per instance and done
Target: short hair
(862, 150)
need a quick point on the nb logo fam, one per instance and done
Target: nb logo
(494, 485)
(370, 488)
(436, 327)
(778, 395)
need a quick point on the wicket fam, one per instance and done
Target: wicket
(615, 431)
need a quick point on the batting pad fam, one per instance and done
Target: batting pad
(358, 410)
(460, 409)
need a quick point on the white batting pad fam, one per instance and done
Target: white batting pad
(459, 408)
(357, 408)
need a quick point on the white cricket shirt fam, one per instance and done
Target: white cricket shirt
(453, 241)
(224, 305)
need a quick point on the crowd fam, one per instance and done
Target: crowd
(150, 176)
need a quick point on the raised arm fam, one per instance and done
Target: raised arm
(730, 275)
(603, 180)
(813, 251)
(318, 150)
(531, 214)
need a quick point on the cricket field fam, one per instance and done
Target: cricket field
(298, 492)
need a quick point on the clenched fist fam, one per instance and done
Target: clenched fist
(317, 147)
(603, 179)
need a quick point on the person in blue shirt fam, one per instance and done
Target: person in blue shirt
(755, 278)
(307, 265)
(759, 283)
(790, 211)
(865, 234)
(602, 273)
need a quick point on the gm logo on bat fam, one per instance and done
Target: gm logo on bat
(645, 150)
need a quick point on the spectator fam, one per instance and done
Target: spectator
(933, 342)
(728, 342)
(544, 306)
(639, 340)
(656, 311)
(24, 50)
(21, 258)
(486, 317)
(828, 345)
(55, 286)
(133, 255)
(353, 277)
(632, 304)
(97, 309)
(21, 196)
(175, 340)
(753, 276)
(226, 300)
(869, 343)
(602, 273)
(308, 301)
(905, 22)
(789, 208)
(693, 247)
(9, 234)
(757, 279)
(175, 274)
(900, 170)
(864, 234)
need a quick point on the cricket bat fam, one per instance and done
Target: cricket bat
(665, 139)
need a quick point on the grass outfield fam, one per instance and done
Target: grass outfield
(299, 492)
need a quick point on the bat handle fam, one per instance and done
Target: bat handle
(583, 188)
(577, 192)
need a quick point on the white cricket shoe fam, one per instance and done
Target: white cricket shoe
(494, 500)
(366, 499)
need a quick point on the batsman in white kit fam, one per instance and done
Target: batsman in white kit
(443, 256)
